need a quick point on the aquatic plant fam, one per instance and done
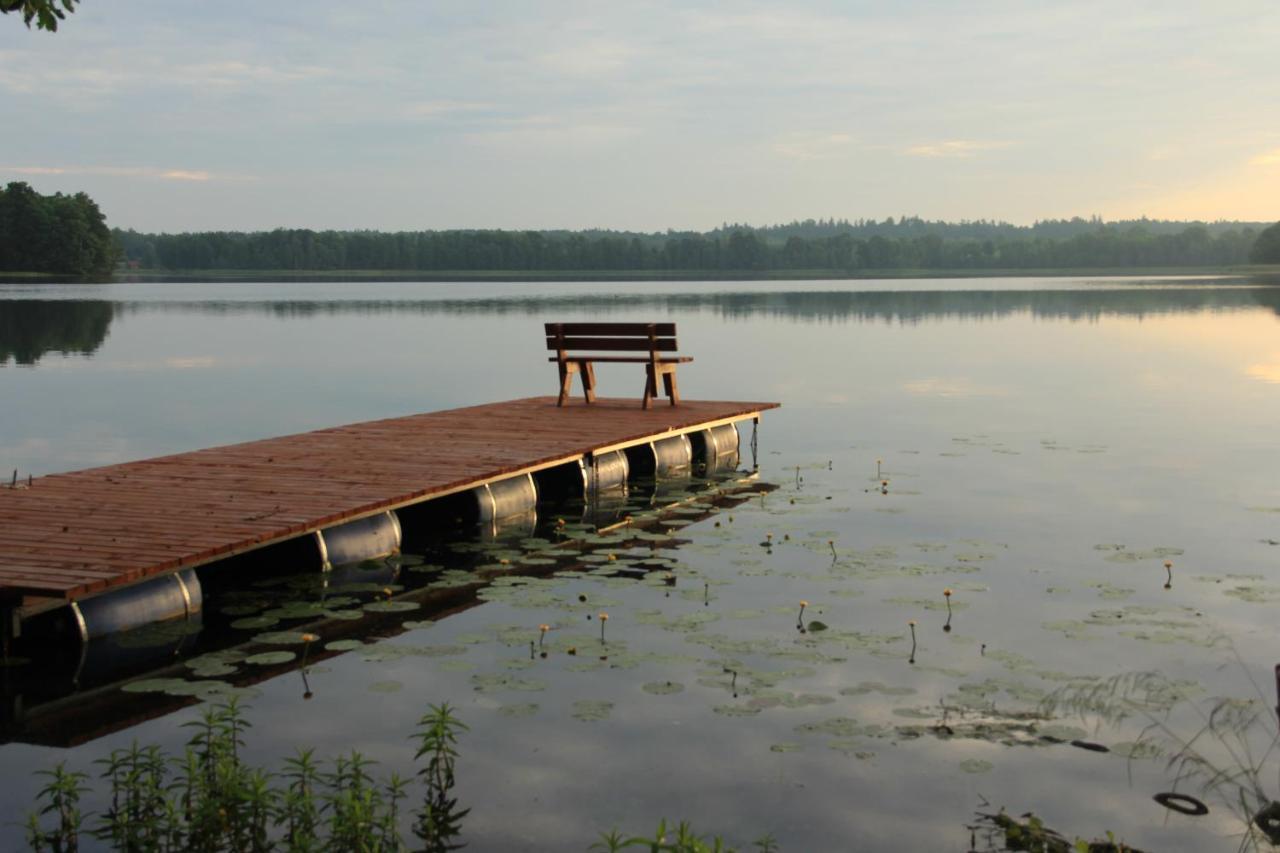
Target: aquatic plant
(1000, 832)
(210, 799)
(439, 822)
(61, 797)
(680, 838)
(1229, 753)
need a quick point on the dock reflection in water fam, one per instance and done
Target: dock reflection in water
(263, 621)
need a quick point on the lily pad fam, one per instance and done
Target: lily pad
(270, 658)
(591, 710)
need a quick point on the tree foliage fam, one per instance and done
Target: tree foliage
(57, 233)
(46, 13)
(1267, 248)
(835, 248)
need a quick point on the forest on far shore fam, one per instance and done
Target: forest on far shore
(837, 246)
(62, 234)
(67, 235)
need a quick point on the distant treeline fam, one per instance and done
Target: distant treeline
(833, 246)
(64, 234)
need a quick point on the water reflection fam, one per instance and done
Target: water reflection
(835, 305)
(30, 328)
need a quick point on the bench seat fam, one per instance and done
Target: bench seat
(578, 346)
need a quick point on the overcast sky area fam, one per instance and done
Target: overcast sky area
(247, 115)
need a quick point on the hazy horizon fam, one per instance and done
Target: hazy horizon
(392, 116)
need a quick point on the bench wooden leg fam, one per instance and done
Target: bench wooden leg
(669, 383)
(589, 381)
(567, 369)
(650, 387)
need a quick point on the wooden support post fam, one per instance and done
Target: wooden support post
(589, 381)
(669, 382)
(567, 369)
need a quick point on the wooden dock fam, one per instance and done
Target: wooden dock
(78, 534)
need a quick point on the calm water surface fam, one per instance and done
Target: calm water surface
(1048, 444)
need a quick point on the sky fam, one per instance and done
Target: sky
(245, 115)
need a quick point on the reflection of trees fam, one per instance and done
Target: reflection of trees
(907, 307)
(29, 328)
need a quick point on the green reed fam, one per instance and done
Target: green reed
(210, 798)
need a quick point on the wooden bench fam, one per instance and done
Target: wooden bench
(576, 345)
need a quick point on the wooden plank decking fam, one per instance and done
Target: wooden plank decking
(71, 535)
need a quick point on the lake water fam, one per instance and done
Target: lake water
(1047, 445)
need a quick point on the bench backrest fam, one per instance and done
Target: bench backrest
(611, 337)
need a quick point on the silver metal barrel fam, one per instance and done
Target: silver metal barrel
(606, 471)
(363, 539)
(672, 455)
(174, 596)
(719, 448)
(513, 496)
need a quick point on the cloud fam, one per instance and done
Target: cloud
(589, 58)
(229, 73)
(937, 387)
(122, 172)
(439, 109)
(1270, 158)
(953, 148)
(545, 132)
(812, 146)
(1265, 372)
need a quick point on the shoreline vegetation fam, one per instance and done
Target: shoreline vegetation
(198, 276)
(67, 237)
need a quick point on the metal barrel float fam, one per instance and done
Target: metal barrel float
(175, 596)
(663, 457)
(136, 627)
(716, 449)
(363, 539)
(605, 472)
(512, 496)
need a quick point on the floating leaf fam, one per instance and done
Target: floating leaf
(590, 710)
(270, 658)
(254, 623)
